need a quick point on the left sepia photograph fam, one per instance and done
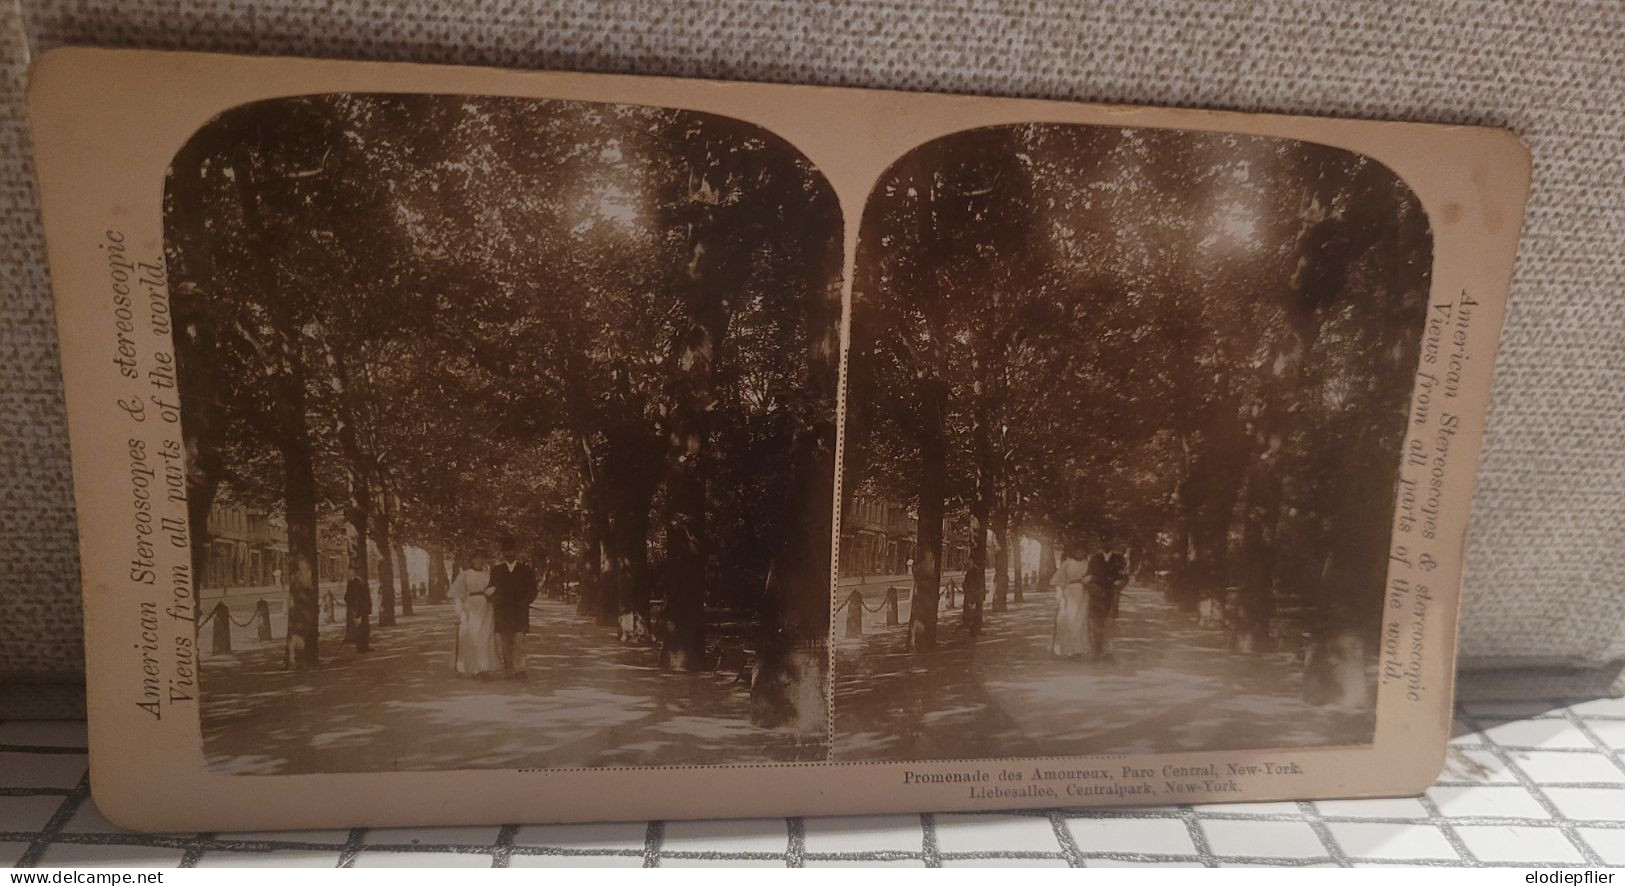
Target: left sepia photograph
(510, 434)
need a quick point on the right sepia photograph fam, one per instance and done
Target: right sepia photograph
(1125, 412)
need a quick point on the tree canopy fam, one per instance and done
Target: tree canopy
(1196, 347)
(609, 330)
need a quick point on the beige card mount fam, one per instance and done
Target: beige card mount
(469, 446)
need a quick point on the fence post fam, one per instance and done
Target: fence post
(951, 589)
(854, 614)
(327, 608)
(262, 614)
(891, 606)
(222, 630)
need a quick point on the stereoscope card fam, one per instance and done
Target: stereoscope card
(459, 445)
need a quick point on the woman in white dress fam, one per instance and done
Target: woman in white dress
(476, 629)
(1071, 637)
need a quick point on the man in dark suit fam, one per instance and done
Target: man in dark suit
(357, 608)
(513, 585)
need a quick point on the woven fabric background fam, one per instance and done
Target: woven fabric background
(1548, 543)
(1530, 785)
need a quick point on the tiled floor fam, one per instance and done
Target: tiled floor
(1526, 784)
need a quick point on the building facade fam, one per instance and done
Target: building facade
(248, 548)
(881, 537)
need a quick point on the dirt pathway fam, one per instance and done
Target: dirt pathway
(590, 702)
(1174, 686)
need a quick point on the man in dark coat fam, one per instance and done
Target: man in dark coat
(513, 586)
(1109, 575)
(1117, 563)
(357, 608)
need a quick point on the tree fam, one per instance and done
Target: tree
(1138, 360)
(249, 178)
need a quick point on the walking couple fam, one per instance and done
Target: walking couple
(1086, 594)
(493, 614)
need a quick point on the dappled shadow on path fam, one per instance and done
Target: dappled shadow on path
(590, 702)
(1174, 686)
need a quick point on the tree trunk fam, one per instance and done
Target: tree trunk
(982, 501)
(386, 566)
(406, 579)
(609, 580)
(933, 484)
(358, 511)
(1018, 582)
(1001, 557)
(304, 570)
(1346, 623)
(792, 670)
(682, 620)
(1207, 499)
(197, 357)
(588, 586)
(792, 657)
(1326, 253)
(1046, 565)
(359, 515)
(204, 467)
(707, 302)
(552, 568)
(792, 665)
(976, 568)
(438, 583)
(1261, 510)
(595, 583)
(627, 542)
(633, 463)
(1347, 611)
(200, 493)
